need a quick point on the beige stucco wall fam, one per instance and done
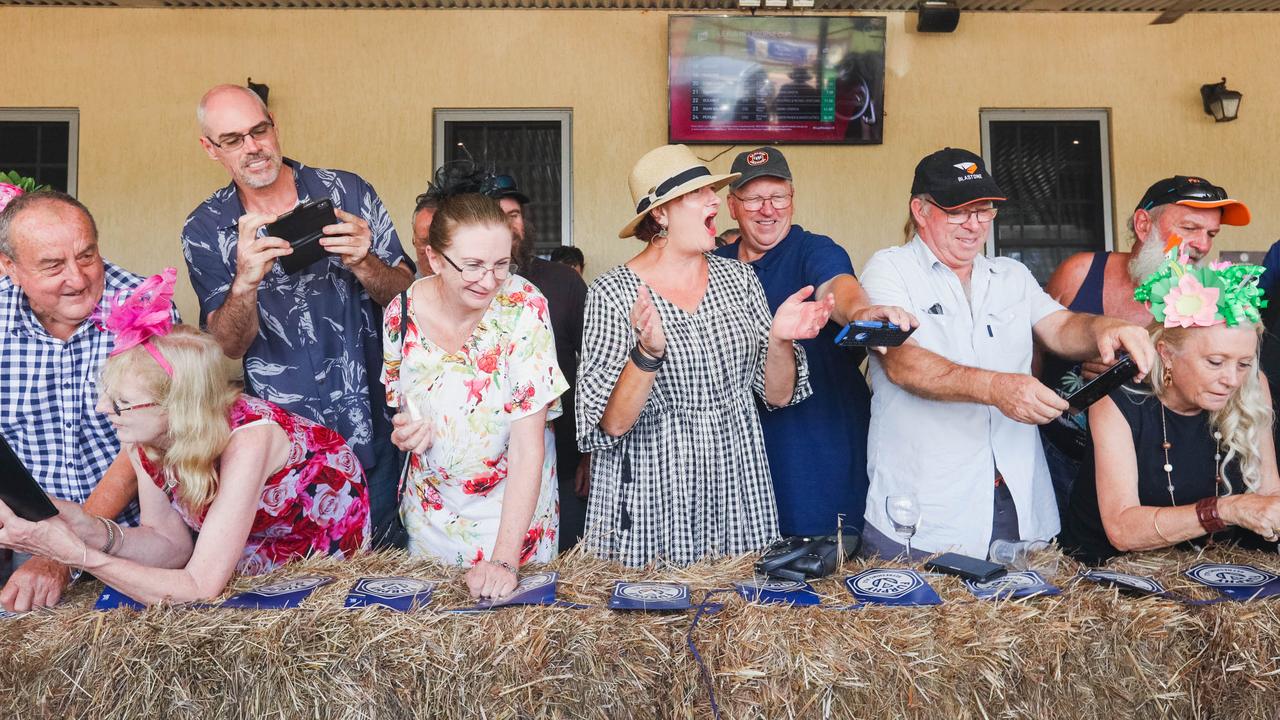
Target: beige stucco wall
(356, 89)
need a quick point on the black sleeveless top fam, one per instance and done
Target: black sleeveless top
(1070, 434)
(1191, 455)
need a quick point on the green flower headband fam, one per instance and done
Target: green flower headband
(1183, 295)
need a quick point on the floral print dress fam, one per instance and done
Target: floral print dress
(317, 504)
(506, 370)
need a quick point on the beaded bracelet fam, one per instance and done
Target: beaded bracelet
(506, 565)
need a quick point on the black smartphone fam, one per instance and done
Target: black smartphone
(19, 490)
(872, 333)
(1102, 385)
(303, 227)
(966, 567)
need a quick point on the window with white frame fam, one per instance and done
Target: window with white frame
(42, 144)
(533, 146)
(1055, 167)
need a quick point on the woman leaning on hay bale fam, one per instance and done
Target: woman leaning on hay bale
(1193, 455)
(471, 366)
(259, 485)
(676, 345)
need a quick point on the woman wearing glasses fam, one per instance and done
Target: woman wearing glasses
(255, 485)
(470, 364)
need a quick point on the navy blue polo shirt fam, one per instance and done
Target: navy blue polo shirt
(818, 448)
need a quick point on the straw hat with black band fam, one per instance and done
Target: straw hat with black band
(664, 174)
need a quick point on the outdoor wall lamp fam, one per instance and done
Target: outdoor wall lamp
(1221, 103)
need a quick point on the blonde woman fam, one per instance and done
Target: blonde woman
(1192, 455)
(258, 485)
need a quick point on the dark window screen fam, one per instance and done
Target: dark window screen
(36, 149)
(1052, 173)
(529, 151)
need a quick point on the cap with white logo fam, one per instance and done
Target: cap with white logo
(955, 177)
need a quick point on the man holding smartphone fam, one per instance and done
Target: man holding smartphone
(311, 340)
(955, 409)
(818, 448)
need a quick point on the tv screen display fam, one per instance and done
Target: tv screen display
(776, 80)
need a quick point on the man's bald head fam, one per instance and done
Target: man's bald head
(228, 93)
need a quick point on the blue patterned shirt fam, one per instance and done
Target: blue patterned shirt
(48, 390)
(319, 347)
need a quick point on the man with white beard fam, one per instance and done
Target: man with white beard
(1102, 283)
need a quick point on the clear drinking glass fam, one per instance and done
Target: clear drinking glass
(904, 513)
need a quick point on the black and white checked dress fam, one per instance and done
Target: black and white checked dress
(690, 480)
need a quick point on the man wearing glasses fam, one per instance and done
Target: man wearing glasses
(51, 351)
(310, 341)
(1102, 283)
(818, 448)
(566, 294)
(955, 410)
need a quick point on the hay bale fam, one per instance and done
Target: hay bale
(1088, 653)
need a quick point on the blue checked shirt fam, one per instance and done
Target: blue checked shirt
(318, 352)
(48, 390)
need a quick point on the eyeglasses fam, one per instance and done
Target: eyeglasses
(475, 273)
(119, 409)
(961, 216)
(752, 204)
(233, 141)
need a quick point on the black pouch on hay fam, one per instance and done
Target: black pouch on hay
(799, 558)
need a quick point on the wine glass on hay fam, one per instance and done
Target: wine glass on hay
(904, 513)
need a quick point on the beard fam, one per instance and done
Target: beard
(522, 247)
(257, 181)
(1150, 256)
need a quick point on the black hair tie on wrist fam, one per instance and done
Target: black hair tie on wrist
(644, 362)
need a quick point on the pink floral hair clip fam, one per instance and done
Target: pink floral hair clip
(137, 315)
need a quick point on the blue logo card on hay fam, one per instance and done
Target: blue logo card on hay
(534, 589)
(398, 593)
(772, 591)
(1238, 582)
(887, 586)
(6, 615)
(111, 598)
(1012, 585)
(1137, 585)
(280, 595)
(649, 596)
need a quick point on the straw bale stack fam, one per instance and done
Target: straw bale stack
(1090, 653)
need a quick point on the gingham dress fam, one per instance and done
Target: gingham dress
(690, 480)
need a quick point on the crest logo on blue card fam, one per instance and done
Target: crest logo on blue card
(533, 589)
(1238, 582)
(397, 593)
(1012, 585)
(279, 595)
(892, 587)
(110, 599)
(6, 615)
(649, 596)
(774, 591)
(1139, 584)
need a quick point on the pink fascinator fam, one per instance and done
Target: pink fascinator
(140, 314)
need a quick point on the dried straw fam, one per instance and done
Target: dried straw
(1090, 653)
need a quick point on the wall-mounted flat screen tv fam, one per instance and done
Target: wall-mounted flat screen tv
(776, 79)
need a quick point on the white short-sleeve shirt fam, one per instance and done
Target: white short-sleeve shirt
(948, 452)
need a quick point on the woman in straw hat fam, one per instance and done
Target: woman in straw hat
(675, 344)
(257, 485)
(1192, 455)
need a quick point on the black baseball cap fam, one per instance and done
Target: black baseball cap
(1195, 192)
(955, 177)
(761, 162)
(504, 186)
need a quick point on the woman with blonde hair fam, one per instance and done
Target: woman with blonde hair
(1192, 455)
(258, 485)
